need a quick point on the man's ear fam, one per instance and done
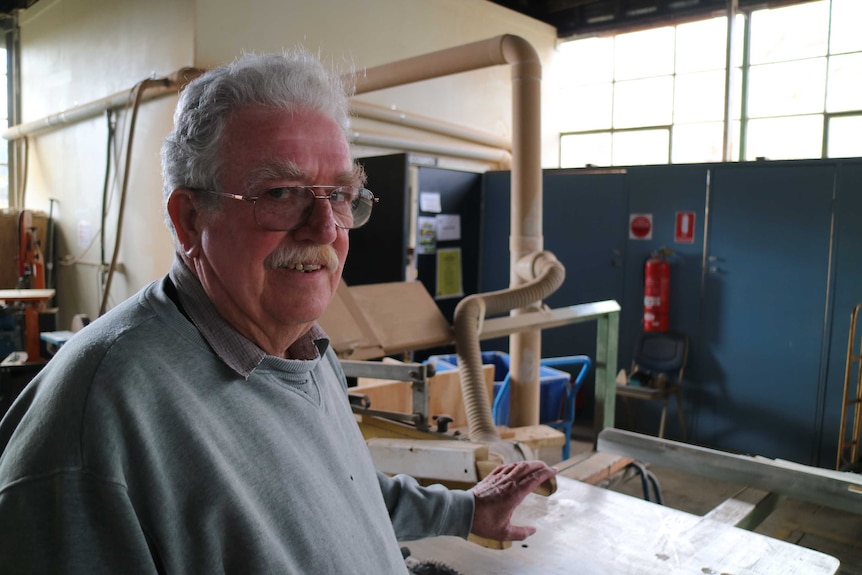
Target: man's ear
(187, 220)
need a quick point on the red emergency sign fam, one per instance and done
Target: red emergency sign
(684, 228)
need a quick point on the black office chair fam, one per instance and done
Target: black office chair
(657, 371)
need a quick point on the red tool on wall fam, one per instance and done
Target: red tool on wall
(30, 296)
(31, 265)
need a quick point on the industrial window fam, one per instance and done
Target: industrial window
(658, 96)
(9, 99)
(4, 123)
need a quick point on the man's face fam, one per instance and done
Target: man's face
(261, 294)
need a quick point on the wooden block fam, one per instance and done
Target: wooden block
(386, 395)
(488, 543)
(444, 394)
(536, 436)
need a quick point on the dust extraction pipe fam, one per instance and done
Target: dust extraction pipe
(526, 223)
(155, 89)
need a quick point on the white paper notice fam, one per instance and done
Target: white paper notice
(430, 202)
(448, 227)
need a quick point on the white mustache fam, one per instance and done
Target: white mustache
(323, 255)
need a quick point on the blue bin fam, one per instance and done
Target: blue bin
(552, 385)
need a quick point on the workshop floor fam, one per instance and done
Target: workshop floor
(830, 531)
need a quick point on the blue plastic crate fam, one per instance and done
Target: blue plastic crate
(552, 384)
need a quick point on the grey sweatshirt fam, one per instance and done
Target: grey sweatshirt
(138, 450)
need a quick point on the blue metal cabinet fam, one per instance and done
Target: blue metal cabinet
(846, 292)
(764, 305)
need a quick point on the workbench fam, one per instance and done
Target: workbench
(587, 530)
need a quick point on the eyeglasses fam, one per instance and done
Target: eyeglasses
(287, 208)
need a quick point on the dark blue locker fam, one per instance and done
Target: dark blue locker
(846, 293)
(765, 299)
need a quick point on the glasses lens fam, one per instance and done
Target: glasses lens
(360, 208)
(282, 209)
(287, 208)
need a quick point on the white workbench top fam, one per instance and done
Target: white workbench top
(587, 530)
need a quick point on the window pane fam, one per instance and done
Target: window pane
(844, 140)
(701, 45)
(644, 54)
(3, 62)
(785, 138)
(4, 108)
(699, 97)
(588, 61)
(799, 31)
(846, 17)
(584, 108)
(4, 185)
(643, 102)
(789, 88)
(844, 91)
(641, 147)
(697, 142)
(578, 150)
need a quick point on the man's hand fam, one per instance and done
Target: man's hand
(498, 494)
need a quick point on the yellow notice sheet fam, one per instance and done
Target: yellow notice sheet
(449, 282)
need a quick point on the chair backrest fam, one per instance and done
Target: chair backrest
(661, 352)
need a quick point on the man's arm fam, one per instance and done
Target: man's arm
(68, 522)
(486, 509)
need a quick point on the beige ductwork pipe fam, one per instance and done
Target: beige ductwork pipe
(526, 223)
(155, 88)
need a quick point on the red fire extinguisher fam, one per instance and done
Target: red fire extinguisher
(656, 292)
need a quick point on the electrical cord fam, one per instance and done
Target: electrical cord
(138, 92)
(647, 480)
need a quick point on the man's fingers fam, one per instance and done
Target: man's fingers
(538, 475)
(519, 532)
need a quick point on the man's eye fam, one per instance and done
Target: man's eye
(345, 195)
(280, 193)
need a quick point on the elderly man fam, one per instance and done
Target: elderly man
(203, 426)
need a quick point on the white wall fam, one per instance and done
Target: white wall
(76, 51)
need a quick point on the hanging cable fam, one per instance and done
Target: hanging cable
(138, 92)
(22, 149)
(109, 115)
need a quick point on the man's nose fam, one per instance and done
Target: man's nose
(320, 223)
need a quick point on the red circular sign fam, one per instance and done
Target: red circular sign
(641, 226)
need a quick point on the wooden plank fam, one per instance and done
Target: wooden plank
(445, 460)
(588, 530)
(593, 467)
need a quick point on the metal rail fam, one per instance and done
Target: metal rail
(835, 489)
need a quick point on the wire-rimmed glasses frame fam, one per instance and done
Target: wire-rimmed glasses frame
(286, 208)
